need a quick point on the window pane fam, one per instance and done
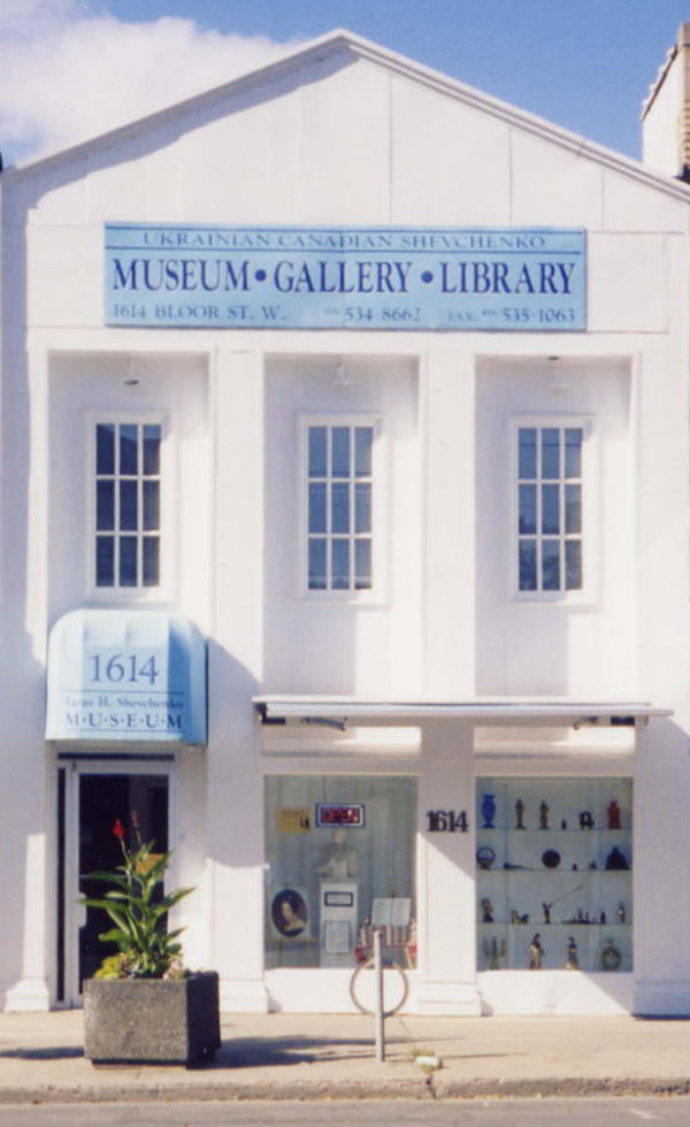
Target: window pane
(128, 561)
(573, 508)
(527, 453)
(340, 453)
(550, 444)
(128, 449)
(573, 565)
(527, 517)
(528, 565)
(550, 515)
(381, 853)
(340, 508)
(362, 508)
(105, 505)
(317, 508)
(364, 438)
(152, 451)
(152, 508)
(105, 448)
(105, 561)
(151, 561)
(550, 565)
(128, 506)
(317, 565)
(317, 452)
(340, 565)
(362, 564)
(573, 452)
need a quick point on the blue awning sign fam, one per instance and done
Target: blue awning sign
(134, 676)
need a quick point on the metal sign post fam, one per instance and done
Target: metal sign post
(379, 1015)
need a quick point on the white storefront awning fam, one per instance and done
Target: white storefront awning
(556, 712)
(126, 675)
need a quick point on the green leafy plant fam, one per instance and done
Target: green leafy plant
(138, 907)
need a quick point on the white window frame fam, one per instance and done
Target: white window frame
(375, 593)
(163, 592)
(588, 536)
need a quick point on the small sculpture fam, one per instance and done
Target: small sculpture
(488, 811)
(495, 950)
(546, 908)
(536, 953)
(487, 911)
(519, 814)
(613, 815)
(340, 861)
(621, 913)
(586, 820)
(610, 956)
(543, 815)
(616, 860)
(571, 962)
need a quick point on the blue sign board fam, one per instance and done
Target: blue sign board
(508, 279)
(126, 677)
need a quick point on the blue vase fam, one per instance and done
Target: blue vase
(488, 811)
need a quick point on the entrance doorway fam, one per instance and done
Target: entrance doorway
(92, 797)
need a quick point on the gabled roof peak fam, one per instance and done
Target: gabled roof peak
(342, 40)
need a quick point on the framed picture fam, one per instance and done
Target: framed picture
(337, 937)
(289, 914)
(338, 899)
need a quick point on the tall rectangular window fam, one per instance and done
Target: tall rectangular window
(127, 505)
(339, 506)
(549, 508)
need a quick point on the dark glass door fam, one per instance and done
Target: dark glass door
(134, 800)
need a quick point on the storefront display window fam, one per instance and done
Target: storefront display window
(554, 874)
(340, 861)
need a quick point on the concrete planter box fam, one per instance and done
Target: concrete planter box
(149, 1020)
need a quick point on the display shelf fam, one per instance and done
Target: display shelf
(554, 861)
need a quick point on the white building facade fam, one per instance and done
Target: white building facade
(344, 522)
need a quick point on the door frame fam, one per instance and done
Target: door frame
(71, 914)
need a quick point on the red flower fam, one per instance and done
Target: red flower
(118, 829)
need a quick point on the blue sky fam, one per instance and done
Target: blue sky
(74, 68)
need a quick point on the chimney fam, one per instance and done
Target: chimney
(666, 113)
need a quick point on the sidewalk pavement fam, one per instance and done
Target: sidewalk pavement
(321, 1057)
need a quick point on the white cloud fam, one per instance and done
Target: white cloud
(70, 72)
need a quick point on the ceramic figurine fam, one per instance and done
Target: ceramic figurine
(519, 814)
(616, 860)
(487, 911)
(543, 816)
(571, 962)
(536, 953)
(586, 820)
(613, 815)
(621, 914)
(610, 956)
(488, 811)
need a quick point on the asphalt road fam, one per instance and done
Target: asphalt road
(611, 1112)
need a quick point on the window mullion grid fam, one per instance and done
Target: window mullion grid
(539, 509)
(140, 508)
(329, 508)
(351, 512)
(117, 508)
(561, 509)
